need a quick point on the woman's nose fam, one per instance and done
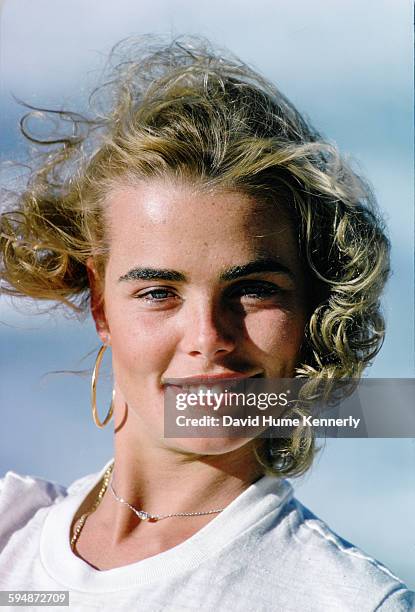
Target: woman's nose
(208, 333)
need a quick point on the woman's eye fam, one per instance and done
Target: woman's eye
(256, 291)
(156, 295)
(246, 292)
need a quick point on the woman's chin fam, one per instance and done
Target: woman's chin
(206, 446)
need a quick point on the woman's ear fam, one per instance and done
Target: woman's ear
(96, 287)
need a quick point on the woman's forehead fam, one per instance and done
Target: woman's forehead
(161, 220)
(180, 204)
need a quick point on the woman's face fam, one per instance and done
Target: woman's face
(197, 283)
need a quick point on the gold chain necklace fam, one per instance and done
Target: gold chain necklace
(81, 522)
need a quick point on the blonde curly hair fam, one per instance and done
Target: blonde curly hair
(186, 111)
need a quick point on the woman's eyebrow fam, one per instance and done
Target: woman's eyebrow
(152, 274)
(268, 264)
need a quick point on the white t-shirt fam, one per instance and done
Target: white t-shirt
(265, 552)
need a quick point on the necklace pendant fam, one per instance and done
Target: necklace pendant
(144, 516)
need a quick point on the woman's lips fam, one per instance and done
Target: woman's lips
(199, 379)
(214, 382)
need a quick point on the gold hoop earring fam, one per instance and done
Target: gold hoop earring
(94, 379)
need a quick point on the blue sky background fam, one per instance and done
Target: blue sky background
(348, 65)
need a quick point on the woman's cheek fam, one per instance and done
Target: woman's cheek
(275, 330)
(141, 348)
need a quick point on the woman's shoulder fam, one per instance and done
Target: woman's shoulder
(332, 561)
(23, 496)
(28, 489)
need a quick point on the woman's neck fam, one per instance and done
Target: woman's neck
(159, 480)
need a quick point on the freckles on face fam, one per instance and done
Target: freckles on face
(277, 336)
(199, 282)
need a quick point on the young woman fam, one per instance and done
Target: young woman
(214, 235)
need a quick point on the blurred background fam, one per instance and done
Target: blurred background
(348, 66)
